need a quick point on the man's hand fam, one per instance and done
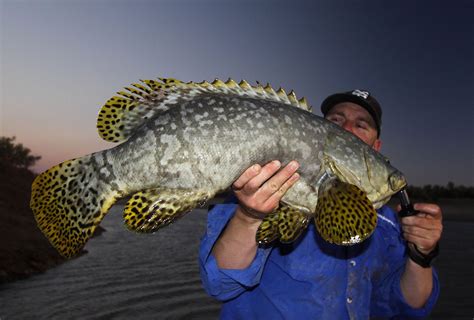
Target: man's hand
(423, 229)
(259, 189)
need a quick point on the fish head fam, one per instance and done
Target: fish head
(384, 180)
(350, 160)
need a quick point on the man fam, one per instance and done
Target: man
(388, 275)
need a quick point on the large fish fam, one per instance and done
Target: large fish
(182, 143)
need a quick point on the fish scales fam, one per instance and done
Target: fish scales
(184, 143)
(181, 152)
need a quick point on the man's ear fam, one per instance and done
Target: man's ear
(377, 145)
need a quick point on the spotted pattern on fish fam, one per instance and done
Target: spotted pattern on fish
(69, 201)
(149, 210)
(284, 224)
(344, 214)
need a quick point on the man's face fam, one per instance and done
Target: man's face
(356, 120)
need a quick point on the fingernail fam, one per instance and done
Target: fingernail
(295, 176)
(256, 168)
(277, 163)
(294, 165)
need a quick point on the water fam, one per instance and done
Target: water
(156, 276)
(124, 275)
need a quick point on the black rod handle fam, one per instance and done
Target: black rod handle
(407, 206)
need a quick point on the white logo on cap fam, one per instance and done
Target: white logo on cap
(359, 93)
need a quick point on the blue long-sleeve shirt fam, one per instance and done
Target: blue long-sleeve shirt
(312, 278)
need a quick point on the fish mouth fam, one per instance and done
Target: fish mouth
(397, 181)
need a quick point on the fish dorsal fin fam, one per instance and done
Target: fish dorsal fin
(344, 214)
(123, 113)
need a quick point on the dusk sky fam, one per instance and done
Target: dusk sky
(61, 60)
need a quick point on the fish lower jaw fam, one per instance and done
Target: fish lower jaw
(380, 203)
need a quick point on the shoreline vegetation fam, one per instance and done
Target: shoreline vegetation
(25, 251)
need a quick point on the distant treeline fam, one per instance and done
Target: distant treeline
(435, 192)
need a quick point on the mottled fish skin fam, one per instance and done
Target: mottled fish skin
(206, 143)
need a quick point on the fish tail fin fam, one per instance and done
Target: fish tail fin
(69, 201)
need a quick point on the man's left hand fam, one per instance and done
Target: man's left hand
(423, 229)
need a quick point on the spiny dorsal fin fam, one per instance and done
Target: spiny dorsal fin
(122, 114)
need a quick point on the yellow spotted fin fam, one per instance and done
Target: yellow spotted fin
(344, 214)
(69, 201)
(284, 224)
(151, 209)
(122, 114)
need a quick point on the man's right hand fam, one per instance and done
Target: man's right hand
(260, 189)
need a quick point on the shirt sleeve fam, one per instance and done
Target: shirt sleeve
(390, 301)
(226, 284)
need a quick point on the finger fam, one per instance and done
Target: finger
(257, 181)
(422, 222)
(419, 232)
(275, 183)
(246, 176)
(421, 237)
(430, 209)
(275, 198)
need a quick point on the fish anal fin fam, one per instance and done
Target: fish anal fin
(344, 214)
(149, 210)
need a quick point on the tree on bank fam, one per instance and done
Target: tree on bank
(15, 154)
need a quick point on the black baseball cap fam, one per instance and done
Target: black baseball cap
(361, 97)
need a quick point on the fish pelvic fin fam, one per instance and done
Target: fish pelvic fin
(122, 114)
(68, 202)
(285, 224)
(344, 214)
(149, 210)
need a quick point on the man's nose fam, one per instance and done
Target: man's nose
(348, 126)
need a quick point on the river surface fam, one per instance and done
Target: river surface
(127, 275)
(124, 275)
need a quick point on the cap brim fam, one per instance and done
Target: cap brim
(334, 99)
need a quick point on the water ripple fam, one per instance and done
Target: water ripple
(124, 275)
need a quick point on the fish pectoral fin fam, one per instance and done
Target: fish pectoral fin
(151, 209)
(344, 214)
(285, 224)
